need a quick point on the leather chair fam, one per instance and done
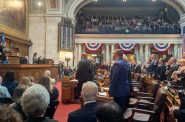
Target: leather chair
(50, 111)
(151, 115)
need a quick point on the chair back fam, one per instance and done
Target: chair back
(160, 101)
(50, 111)
(136, 76)
(142, 83)
(154, 87)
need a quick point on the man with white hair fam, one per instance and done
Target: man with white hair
(34, 102)
(88, 112)
(47, 73)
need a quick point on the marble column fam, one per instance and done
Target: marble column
(175, 50)
(107, 54)
(141, 56)
(76, 55)
(179, 50)
(136, 52)
(147, 50)
(79, 51)
(112, 51)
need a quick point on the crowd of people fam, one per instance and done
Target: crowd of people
(127, 25)
(30, 100)
(27, 100)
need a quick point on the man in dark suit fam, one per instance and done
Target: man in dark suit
(153, 65)
(119, 80)
(88, 112)
(137, 68)
(173, 67)
(160, 71)
(84, 73)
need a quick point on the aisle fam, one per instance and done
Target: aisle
(62, 111)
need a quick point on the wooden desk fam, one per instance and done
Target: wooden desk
(68, 90)
(23, 70)
(101, 99)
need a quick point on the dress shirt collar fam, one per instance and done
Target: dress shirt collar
(89, 102)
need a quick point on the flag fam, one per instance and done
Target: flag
(2, 38)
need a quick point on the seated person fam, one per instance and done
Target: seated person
(3, 91)
(88, 112)
(179, 75)
(109, 112)
(34, 102)
(179, 112)
(19, 90)
(53, 91)
(47, 73)
(9, 82)
(7, 114)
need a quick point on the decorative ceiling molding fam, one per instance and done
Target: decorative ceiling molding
(73, 6)
(130, 38)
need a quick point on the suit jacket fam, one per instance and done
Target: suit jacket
(171, 70)
(84, 72)
(160, 72)
(137, 69)
(85, 114)
(180, 114)
(40, 119)
(119, 79)
(153, 66)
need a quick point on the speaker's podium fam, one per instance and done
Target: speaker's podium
(68, 89)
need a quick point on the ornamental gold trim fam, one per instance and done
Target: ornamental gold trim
(15, 33)
(10, 31)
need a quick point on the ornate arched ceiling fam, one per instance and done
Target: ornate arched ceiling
(73, 6)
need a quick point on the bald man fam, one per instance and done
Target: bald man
(119, 80)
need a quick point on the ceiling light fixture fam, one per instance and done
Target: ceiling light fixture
(39, 4)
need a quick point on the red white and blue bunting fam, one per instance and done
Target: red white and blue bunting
(93, 46)
(161, 46)
(127, 46)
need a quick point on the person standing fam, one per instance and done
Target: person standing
(84, 73)
(153, 65)
(119, 80)
(160, 71)
(35, 60)
(172, 67)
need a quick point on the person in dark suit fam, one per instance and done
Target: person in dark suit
(88, 112)
(84, 73)
(153, 65)
(109, 112)
(160, 71)
(137, 68)
(9, 82)
(119, 80)
(179, 111)
(173, 67)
